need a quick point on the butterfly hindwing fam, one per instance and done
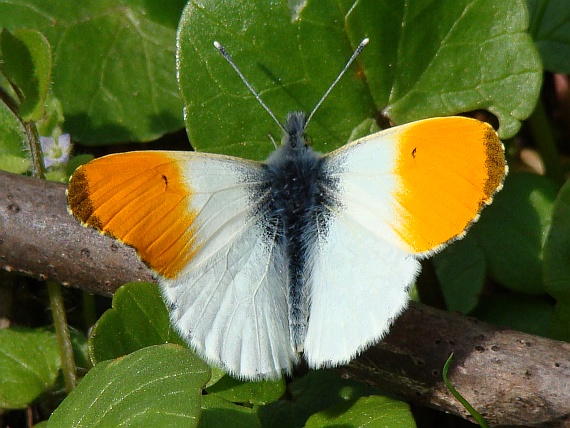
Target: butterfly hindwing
(359, 285)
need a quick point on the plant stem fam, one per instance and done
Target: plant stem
(38, 167)
(63, 337)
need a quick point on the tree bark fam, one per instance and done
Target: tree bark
(511, 378)
(40, 238)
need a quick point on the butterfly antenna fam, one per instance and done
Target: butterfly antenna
(227, 56)
(361, 46)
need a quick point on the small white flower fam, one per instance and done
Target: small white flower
(56, 152)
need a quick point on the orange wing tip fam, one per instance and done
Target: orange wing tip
(495, 164)
(141, 199)
(449, 170)
(78, 200)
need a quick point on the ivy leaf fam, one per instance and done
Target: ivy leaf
(460, 269)
(13, 157)
(220, 413)
(317, 391)
(153, 387)
(137, 319)
(29, 364)
(514, 229)
(261, 392)
(26, 62)
(550, 28)
(556, 268)
(114, 69)
(366, 411)
(424, 59)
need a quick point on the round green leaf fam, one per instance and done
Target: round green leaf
(26, 62)
(318, 390)
(557, 248)
(365, 412)
(237, 391)
(13, 157)
(457, 56)
(29, 364)
(220, 413)
(424, 59)
(551, 32)
(512, 231)
(158, 386)
(137, 319)
(75, 162)
(114, 67)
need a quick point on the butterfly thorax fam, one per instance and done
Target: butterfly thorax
(294, 182)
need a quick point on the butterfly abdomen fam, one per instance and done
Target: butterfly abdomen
(294, 177)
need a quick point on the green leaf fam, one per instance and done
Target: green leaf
(13, 157)
(515, 227)
(29, 364)
(318, 390)
(551, 31)
(531, 314)
(236, 391)
(365, 412)
(26, 62)
(424, 59)
(80, 349)
(217, 412)
(557, 248)
(137, 319)
(158, 386)
(114, 70)
(461, 269)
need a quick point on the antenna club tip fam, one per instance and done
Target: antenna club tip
(365, 41)
(217, 44)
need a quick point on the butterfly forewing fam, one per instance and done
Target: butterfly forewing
(228, 298)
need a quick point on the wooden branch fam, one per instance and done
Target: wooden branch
(512, 378)
(40, 238)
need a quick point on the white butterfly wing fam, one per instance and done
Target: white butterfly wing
(359, 285)
(192, 218)
(230, 301)
(359, 279)
(399, 195)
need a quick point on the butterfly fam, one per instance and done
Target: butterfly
(303, 254)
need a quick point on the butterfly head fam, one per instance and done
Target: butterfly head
(295, 137)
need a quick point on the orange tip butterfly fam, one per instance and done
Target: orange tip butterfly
(303, 254)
